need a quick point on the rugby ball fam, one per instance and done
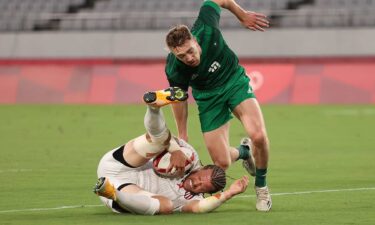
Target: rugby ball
(161, 162)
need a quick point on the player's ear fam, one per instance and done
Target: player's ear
(195, 41)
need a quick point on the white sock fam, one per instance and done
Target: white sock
(155, 123)
(138, 203)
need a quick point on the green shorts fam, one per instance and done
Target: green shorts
(216, 106)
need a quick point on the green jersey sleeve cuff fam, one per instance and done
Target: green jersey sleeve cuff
(213, 5)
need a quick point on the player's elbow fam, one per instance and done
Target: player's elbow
(166, 205)
(222, 3)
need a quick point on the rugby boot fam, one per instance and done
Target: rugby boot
(105, 189)
(264, 202)
(248, 164)
(164, 97)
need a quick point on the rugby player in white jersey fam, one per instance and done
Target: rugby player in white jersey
(128, 183)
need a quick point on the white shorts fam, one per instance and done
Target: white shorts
(117, 173)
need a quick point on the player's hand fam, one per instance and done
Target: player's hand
(255, 21)
(239, 186)
(177, 163)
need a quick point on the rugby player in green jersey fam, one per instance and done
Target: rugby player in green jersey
(200, 58)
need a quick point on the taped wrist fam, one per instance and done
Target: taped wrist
(211, 203)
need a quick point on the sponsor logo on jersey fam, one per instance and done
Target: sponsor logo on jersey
(214, 66)
(194, 76)
(188, 195)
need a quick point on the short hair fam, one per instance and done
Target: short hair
(177, 36)
(218, 178)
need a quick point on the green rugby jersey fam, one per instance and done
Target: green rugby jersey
(218, 65)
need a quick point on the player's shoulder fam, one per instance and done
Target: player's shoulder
(209, 16)
(171, 60)
(209, 10)
(212, 5)
(173, 66)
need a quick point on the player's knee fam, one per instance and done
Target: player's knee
(259, 139)
(166, 205)
(220, 158)
(146, 148)
(222, 163)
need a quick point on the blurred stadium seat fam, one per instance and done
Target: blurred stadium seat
(151, 14)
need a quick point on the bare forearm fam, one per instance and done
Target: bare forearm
(232, 6)
(208, 204)
(251, 20)
(180, 112)
(211, 203)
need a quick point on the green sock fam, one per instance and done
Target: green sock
(243, 151)
(260, 177)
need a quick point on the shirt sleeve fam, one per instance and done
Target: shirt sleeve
(174, 83)
(176, 78)
(210, 13)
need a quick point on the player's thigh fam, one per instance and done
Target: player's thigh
(250, 115)
(239, 91)
(244, 105)
(112, 168)
(217, 143)
(213, 113)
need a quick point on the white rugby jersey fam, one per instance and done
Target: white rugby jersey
(147, 179)
(171, 188)
(168, 187)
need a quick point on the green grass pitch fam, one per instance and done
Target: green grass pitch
(322, 166)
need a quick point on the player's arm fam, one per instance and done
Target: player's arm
(211, 203)
(180, 109)
(252, 20)
(180, 112)
(178, 158)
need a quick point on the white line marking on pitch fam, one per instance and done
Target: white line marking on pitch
(350, 112)
(311, 192)
(47, 209)
(241, 196)
(21, 170)
(16, 170)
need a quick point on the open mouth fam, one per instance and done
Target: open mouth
(191, 184)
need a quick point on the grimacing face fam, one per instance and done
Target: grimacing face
(189, 52)
(199, 181)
